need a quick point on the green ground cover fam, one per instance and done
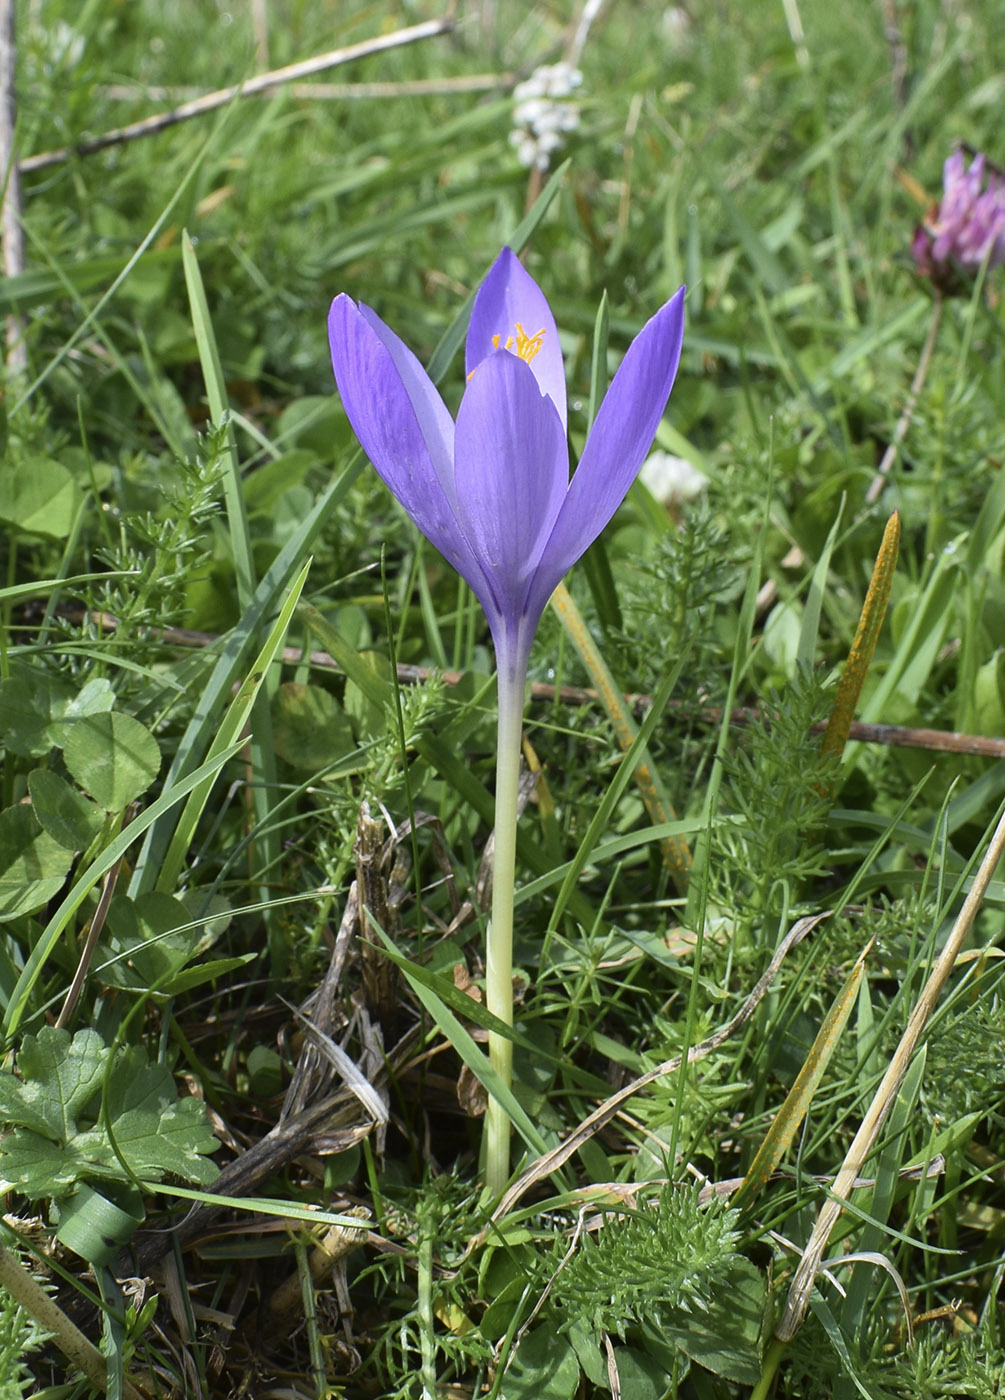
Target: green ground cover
(197, 1000)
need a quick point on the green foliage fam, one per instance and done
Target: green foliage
(777, 158)
(39, 497)
(777, 789)
(668, 1273)
(667, 1256)
(78, 1114)
(33, 866)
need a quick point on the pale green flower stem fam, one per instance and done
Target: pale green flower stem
(499, 950)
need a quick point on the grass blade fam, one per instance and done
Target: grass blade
(676, 852)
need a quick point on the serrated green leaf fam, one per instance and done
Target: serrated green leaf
(37, 1167)
(60, 1075)
(59, 1138)
(168, 1141)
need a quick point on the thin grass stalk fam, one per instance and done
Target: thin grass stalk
(904, 422)
(676, 852)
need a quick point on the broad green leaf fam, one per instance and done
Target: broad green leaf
(71, 819)
(544, 1368)
(369, 717)
(641, 1376)
(36, 709)
(782, 633)
(38, 1167)
(113, 757)
(96, 1227)
(30, 700)
(989, 696)
(39, 497)
(140, 935)
(725, 1338)
(310, 728)
(82, 886)
(266, 485)
(95, 697)
(151, 942)
(32, 865)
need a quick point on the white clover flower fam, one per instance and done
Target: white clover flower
(543, 116)
(670, 479)
(676, 25)
(66, 45)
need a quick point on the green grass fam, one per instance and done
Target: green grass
(180, 422)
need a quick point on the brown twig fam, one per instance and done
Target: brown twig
(892, 735)
(91, 942)
(333, 92)
(262, 82)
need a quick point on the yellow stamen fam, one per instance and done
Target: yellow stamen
(527, 346)
(524, 346)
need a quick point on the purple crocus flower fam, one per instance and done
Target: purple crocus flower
(967, 227)
(492, 491)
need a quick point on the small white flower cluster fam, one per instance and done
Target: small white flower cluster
(543, 116)
(670, 479)
(66, 45)
(677, 27)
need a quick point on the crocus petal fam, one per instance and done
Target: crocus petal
(512, 472)
(384, 418)
(618, 443)
(435, 422)
(510, 298)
